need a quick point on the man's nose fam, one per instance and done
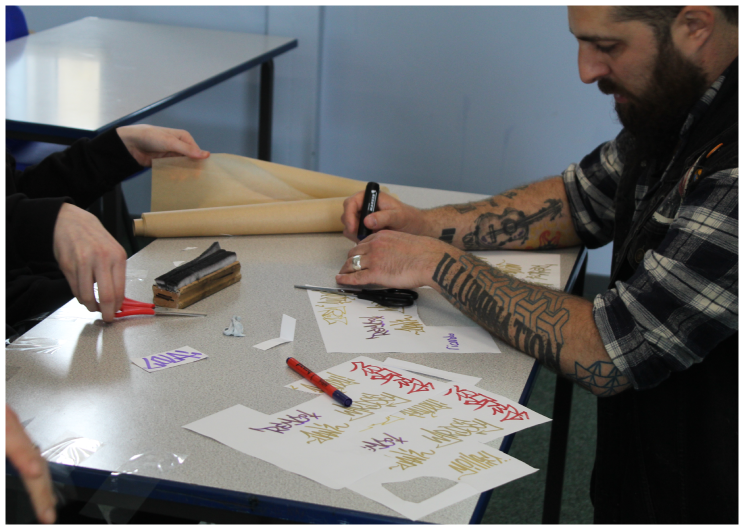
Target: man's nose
(591, 66)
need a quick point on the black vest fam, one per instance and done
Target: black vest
(670, 454)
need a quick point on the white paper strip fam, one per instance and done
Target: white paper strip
(286, 334)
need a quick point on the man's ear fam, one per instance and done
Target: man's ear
(692, 28)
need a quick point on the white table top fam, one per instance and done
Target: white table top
(94, 73)
(89, 388)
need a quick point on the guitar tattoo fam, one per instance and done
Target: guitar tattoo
(494, 230)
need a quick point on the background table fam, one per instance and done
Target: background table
(89, 388)
(80, 79)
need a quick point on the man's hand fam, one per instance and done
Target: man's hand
(33, 468)
(147, 142)
(394, 259)
(392, 215)
(87, 253)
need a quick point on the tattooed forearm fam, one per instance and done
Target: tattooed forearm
(494, 230)
(528, 317)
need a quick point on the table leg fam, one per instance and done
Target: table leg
(266, 105)
(559, 434)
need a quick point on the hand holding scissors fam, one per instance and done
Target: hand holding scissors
(384, 297)
(133, 307)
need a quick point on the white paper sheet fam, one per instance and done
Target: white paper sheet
(239, 427)
(286, 334)
(532, 267)
(401, 426)
(169, 359)
(362, 374)
(473, 467)
(350, 325)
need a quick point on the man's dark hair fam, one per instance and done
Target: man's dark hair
(660, 18)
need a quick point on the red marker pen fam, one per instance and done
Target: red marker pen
(318, 381)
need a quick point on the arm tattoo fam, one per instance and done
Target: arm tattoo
(448, 235)
(493, 230)
(528, 317)
(546, 242)
(600, 375)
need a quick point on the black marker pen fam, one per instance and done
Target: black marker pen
(368, 206)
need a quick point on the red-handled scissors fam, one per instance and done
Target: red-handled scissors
(133, 307)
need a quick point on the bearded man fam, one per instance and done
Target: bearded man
(660, 346)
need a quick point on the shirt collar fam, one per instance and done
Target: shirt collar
(704, 102)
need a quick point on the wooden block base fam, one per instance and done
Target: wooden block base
(195, 291)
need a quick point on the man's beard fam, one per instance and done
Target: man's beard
(656, 116)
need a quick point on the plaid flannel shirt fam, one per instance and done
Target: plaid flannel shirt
(682, 299)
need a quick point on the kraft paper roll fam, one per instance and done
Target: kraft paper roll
(180, 183)
(293, 217)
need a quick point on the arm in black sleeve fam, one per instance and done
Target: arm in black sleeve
(82, 172)
(29, 228)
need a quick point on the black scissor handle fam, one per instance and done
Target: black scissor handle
(407, 293)
(389, 297)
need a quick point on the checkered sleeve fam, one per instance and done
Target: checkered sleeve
(590, 187)
(682, 301)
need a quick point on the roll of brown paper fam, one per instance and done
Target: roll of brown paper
(293, 217)
(179, 183)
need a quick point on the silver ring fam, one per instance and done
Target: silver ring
(356, 262)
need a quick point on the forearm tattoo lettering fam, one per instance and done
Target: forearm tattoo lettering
(494, 230)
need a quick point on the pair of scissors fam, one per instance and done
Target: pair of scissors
(132, 307)
(384, 297)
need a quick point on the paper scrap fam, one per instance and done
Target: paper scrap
(420, 369)
(286, 334)
(350, 325)
(178, 263)
(187, 248)
(168, 359)
(235, 329)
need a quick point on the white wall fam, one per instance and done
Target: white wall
(477, 99)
